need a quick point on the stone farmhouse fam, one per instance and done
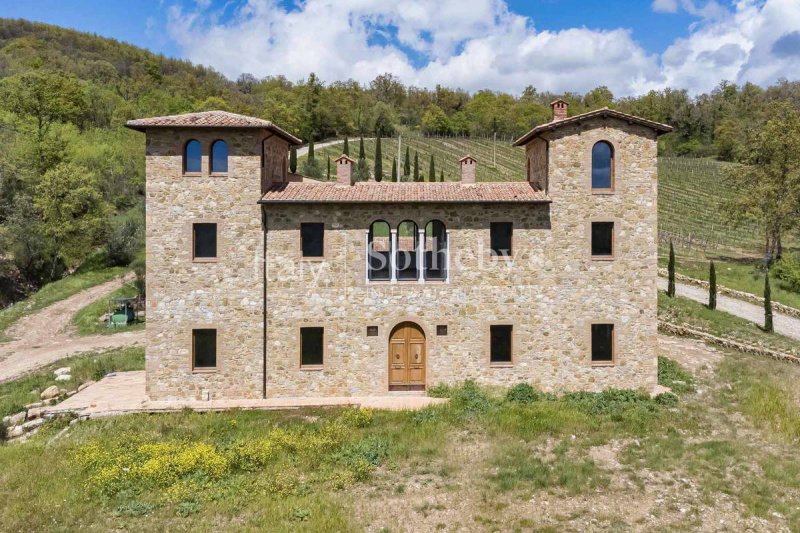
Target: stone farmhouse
(265, 284)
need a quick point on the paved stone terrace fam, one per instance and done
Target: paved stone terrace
(124, 392)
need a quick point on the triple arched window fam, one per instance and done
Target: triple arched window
(193, 157)
(406, 253)
(602, 166)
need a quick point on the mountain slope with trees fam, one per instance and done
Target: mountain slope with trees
(72, 177)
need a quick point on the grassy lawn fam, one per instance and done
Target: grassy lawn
(15, 394)
(488, 460)
(681, 310)
(54, 292)
(86, 320)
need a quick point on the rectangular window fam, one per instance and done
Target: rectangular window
(602, 343)
(204, 348)
(441, 330)
(602, 239)
(501, 236)
(204, 237)
(372, 331)
(312, 237)
(311, 344)
(500, 344)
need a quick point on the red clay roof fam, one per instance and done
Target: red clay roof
(599, 113)
(210, 119)
(390, 192)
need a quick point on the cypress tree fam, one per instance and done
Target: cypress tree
(293, 160)
(768, 327)
(346, 147)
(311, 152)
(671, 272)
(378, 160)
(394, 170)
(416, 166)
(407, 164)
(441, 176)
(432, 170)
(712, 286)
(362, 170)
(329, 168)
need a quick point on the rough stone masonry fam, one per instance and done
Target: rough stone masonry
(260, 291)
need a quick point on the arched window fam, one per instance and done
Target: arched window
(192, 155)
(435, 250)
(379, 251)
(603, 166)
(219, 157)
(407, 240)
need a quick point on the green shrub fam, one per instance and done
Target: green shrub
(125, 239)
(469, 399)
(610, 401)
(666, 399)
(787, 272)
(523, 393)
(426, 416)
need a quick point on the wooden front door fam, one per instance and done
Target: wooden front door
(407, 357)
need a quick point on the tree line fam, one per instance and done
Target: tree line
(72, 178)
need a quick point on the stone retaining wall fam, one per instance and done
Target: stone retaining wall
(686, 331)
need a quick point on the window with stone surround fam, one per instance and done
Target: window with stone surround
(603, 344)
(407, 242)
(204, 349)
(379, 251)
(501, 236)
(192, 157)
(219, 157)
(311, 346)
(500, 344)
(312, 240)
(603, 167)
(204, 241)
(435, 250)
(602, 240)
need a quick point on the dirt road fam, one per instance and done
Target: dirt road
(47, 335)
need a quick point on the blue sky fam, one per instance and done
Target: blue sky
(630, 45)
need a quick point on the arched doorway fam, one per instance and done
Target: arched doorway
(407, 357)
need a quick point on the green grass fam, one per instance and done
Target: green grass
(740, 274)
(55, 292)
(86, 320)
(15, 394)
(681, 310)
(343, 469)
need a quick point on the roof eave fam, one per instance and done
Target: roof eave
(291, 139)
(278, 202)
(659, 128)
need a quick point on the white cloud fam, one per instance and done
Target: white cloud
(753, 43)
(482, 44)
(665, 6)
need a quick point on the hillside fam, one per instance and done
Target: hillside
(690, 196)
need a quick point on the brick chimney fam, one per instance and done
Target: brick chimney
(344, 170)
(467, 169)
(559, 108)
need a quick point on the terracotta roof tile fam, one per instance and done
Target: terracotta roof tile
(383, 193)
(599, 113)
(209, 119)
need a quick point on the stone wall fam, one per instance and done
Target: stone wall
(551, 291)
(182, 294)
(536, 160)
